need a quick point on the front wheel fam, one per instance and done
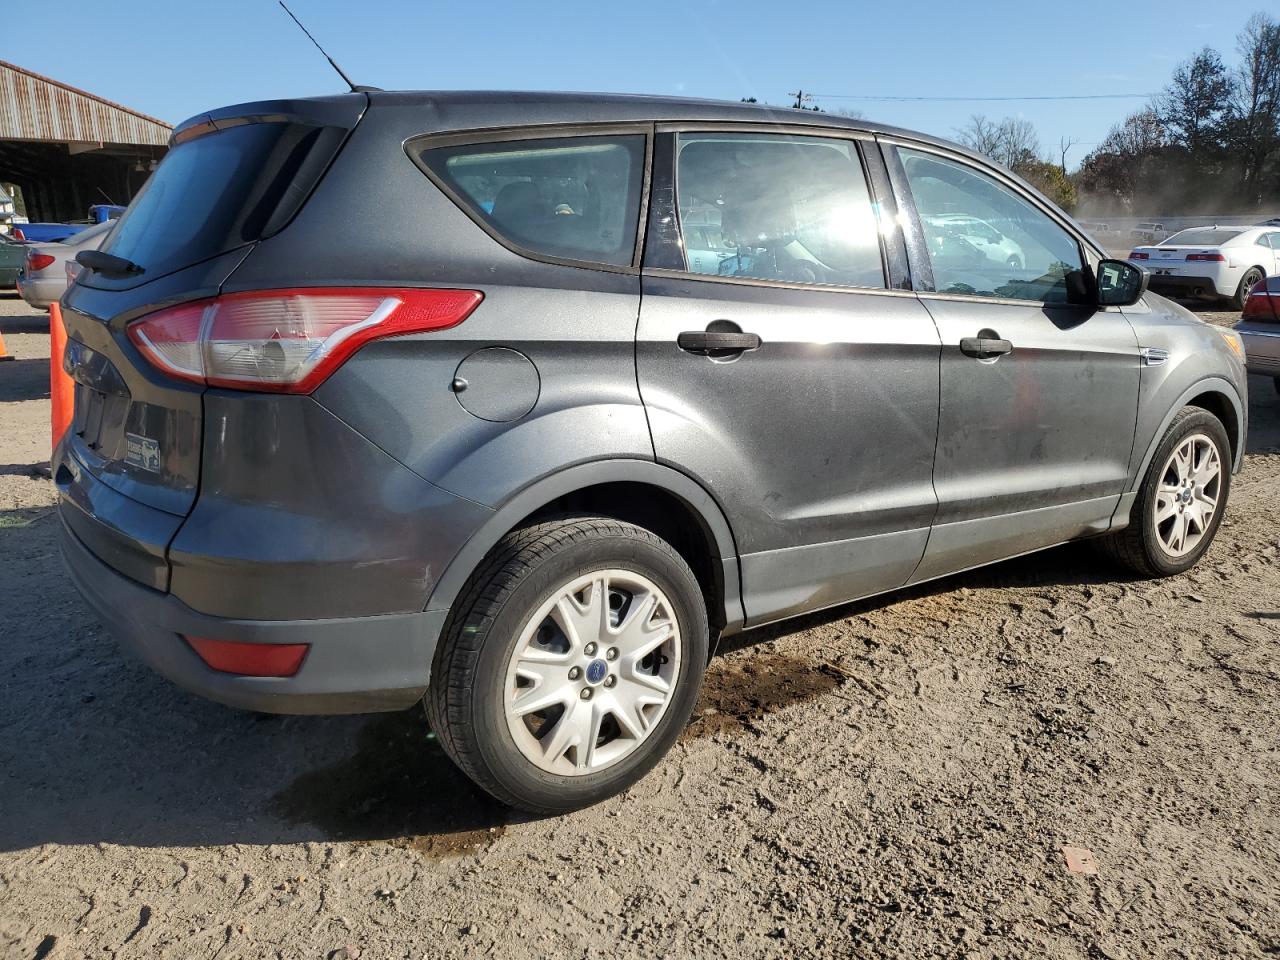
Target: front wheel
(570, 664)
(1183, 496)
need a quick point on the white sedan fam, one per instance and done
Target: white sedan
(1212, 261)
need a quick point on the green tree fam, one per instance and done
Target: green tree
(1194, 107)
(1048, 178)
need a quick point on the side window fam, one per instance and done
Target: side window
(571, 197)
(776, 207)
(985, 240)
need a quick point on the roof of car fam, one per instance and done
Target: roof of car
(460, 110)
(569, 107)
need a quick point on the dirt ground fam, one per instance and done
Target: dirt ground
(894, 779)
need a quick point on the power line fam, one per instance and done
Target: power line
(1078, 96)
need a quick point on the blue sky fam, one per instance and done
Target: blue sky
(173, 58)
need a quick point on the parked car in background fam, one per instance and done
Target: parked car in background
(1273, 222)
(1212, 262)
(13, 256)
(531, 464)
(43, 279)
(706, 246)
(982, 236)
(1259, 328)
(1147, 232)
(46, 232)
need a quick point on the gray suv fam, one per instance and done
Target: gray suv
(389, 397)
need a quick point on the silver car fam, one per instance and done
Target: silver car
(43, 279)
(520, 455)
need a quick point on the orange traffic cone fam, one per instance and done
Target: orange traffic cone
(4, 354)
(61, 386)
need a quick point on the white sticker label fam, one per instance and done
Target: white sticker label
(142, 452)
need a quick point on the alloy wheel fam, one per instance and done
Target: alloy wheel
(592, 672)
(1187, 495)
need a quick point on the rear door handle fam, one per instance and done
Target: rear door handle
(985, 348)
(707, 342)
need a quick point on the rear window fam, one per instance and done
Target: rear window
(576, 198)
(219, 191)
(1201, 238)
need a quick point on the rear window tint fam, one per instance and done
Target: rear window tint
(576, 198)
(216, 192)
(1201, 238)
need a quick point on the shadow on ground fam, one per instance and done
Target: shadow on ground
(96, 748)
(26, 379)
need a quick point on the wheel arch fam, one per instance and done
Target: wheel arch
(1219, 397)
(638, 491)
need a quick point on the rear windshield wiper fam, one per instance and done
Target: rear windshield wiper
(107, 263)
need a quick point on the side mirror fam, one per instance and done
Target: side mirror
(1120, 283)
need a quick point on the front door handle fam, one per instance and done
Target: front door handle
(985, 347)
(716, 342)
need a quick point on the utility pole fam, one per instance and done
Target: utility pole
(801, 99)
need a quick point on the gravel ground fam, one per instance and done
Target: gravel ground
(894, 779)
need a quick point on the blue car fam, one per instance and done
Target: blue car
(46, 232)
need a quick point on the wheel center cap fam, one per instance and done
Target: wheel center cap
(596, 671)
(1186, 495)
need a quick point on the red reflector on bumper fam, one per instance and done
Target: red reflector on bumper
(250, 659)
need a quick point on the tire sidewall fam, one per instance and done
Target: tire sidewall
(1201, 422)
(498, 750)
(1242, 293)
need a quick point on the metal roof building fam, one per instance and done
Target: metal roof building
(67, 148)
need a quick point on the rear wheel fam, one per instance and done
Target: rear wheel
(1181, 501)
(1252, 276)
(571, 663)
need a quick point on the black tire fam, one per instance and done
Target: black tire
(1252, 276)
(464, 702)
(1137, 546)
(1276, 381)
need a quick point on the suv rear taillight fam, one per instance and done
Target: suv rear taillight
(288, 341)
(1262, 304)
(37, 261)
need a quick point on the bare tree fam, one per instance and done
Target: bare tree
(1010, 141)
(1064, 145)
(1255, 107)
(980, 135)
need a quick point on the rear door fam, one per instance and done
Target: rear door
(787, 375)
(130, 463)
(1039, 388)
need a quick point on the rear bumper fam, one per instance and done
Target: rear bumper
(1261, 347)
(354, 665)
(40, 293)
(1175, 286)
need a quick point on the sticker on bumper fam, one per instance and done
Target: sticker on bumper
(142, 452)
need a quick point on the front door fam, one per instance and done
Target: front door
(1039, 388)
(780, 371)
